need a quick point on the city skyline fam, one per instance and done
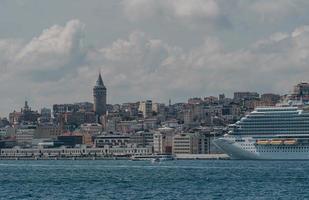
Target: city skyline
(97, 100)
(100, 83)
(211, 47)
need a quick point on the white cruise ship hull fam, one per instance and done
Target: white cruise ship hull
(247, 149)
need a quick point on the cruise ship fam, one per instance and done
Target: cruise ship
(269, 133)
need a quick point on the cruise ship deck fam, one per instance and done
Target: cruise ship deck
(269, 133)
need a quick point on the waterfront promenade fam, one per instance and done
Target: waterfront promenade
(91, 154)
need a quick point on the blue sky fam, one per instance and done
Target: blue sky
(51, 51)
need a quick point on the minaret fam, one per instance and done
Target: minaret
(99, 94)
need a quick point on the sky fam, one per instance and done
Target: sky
(52, 51)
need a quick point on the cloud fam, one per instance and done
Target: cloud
(209, 68)
(52, 57)
(181, 10)
(55, 66)
(274, 9)
(215, 14)
(194, 9)
(138, 50)
(54, 48)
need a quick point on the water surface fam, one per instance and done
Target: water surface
(120, 179)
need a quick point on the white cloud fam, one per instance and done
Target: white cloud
(54, 48)
(176, 9)
(140, 67)
(206, 69)
(44, 57)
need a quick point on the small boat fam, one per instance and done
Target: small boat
(155, 157)
(155, 160)
(162, 158)
(142, 157)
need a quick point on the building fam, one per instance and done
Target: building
(131, 108)
(300, 92)
(111, 125)
(245, 95)
(87, 139)
(159, 110)
(45, 116)
(188, 117)
(70, 140)
(25, 134)
(25, 115)
(149, 124)
(146, 108)
(142, 138)
(7, 144)
(59, 109)
(195, 100)
(270, 98)
(190, 143)
(211, 100)
(221, 97)
(47, 131)
(91, 128)
(7, 131)
(163, 140)
(15, 117)
(173, 123)
(85, 106)
(129, 126)
(99, 95)
(77, 118)
(112, 140)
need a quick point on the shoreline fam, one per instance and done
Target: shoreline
(177, 157)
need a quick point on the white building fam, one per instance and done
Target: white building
(163, 140)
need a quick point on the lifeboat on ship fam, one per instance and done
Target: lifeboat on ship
(262, 142)
(290, 142)
(276, 142)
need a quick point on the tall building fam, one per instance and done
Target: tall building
(99, 94)
(146, 108)
(188, 117)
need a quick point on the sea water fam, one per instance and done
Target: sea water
(123, 179)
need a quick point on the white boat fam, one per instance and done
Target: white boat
(271, 133)
(153, 158)
(162, 158)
